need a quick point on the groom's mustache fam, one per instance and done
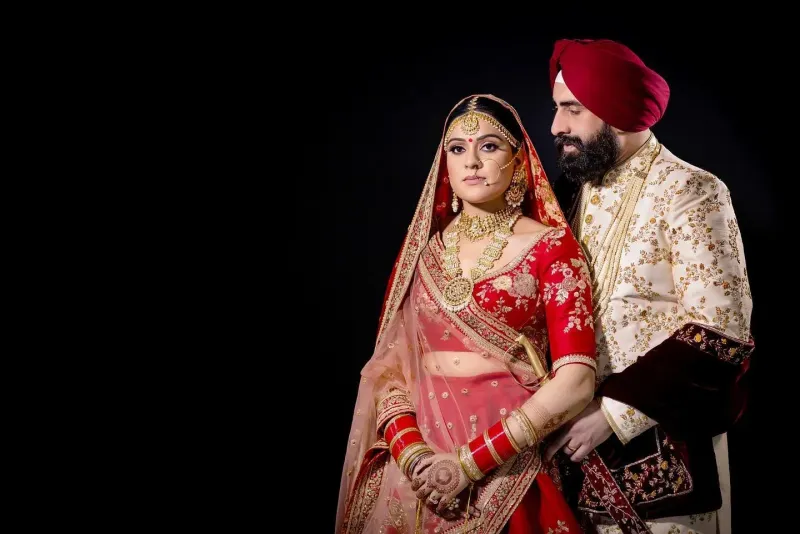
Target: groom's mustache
(564, 140)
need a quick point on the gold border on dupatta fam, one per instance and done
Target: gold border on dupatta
(364, 495)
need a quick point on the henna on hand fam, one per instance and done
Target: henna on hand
(543, 421)
(444, 476)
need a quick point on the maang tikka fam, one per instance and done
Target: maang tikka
(470, 126)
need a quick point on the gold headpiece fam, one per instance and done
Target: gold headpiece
(469, 124)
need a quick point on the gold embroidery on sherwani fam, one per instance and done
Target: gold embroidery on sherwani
(682, 262)
(605, 254)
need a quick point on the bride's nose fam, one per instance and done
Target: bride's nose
(473, 162)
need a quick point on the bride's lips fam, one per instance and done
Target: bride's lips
(475, 179)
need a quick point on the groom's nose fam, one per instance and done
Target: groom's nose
(560, 124)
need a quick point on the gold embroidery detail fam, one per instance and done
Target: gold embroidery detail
(574, 358)
(613, 424)
(605, 256)
(502, 283)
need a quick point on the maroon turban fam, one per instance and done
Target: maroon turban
(611, 81)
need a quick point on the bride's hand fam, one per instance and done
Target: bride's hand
(438, 480)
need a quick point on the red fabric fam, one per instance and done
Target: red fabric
(543, 510)
(565, 285)
(611, 81)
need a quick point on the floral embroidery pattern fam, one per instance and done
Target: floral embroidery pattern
(561, 291)
(502, 283)
(519, 284)
(714, 344)
(658, 476)
(682, 258)
(635, 422)
(561, 526)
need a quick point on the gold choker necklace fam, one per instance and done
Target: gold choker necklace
(457, 293)
(478, 227)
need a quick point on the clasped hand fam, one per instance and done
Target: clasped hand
(438, 480)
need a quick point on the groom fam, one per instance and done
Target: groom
(671, 296)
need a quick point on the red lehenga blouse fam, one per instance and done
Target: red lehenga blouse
(462, 370)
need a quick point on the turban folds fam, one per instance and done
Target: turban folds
(611, 81)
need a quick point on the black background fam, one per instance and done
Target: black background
(385, 96)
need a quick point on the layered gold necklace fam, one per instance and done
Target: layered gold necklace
(458, 291)
(479, 226)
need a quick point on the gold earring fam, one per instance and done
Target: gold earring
(515, 193)
(455, 202)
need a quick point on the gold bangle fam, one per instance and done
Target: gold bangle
(525, 429)
(416, 460)
(468, 464)
(531, 436)
(530, 425)
(412, 459)
(514, 443)
(404, 454)
(492, 450)
(411, 452)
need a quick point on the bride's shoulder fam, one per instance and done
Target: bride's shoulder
(533, 232)
(526, 225)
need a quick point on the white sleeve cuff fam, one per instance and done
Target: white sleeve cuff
(626, 421)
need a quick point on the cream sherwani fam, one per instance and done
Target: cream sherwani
(665, 250)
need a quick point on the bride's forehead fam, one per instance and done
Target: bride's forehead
(483, 129)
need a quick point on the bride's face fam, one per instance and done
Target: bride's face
(480, 166)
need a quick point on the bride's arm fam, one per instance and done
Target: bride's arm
(395, 412)
(558, 401)
(566, 291)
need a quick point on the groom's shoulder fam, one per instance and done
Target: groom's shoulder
(670, 171)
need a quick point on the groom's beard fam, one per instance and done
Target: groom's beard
(592, 159)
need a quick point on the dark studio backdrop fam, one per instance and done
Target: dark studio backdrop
(379, 128)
